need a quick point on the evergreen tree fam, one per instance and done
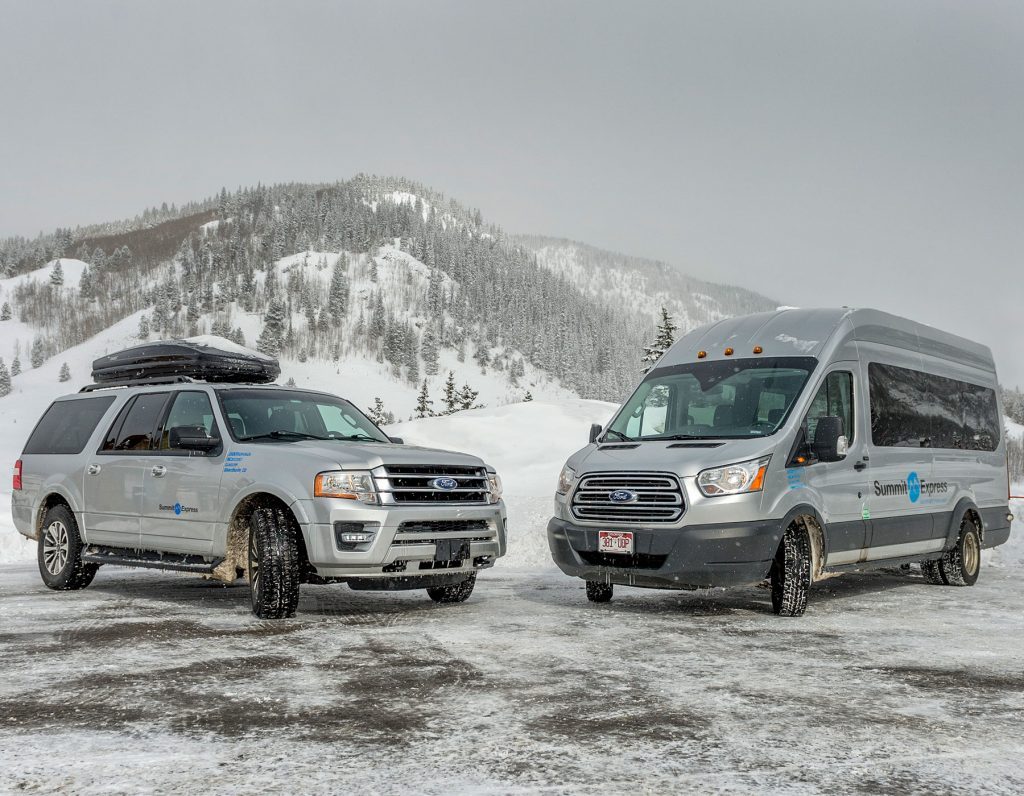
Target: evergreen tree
(16, 365)
(5, 380)
(423, 403)
(451, 395)
(86, 285)
(663, 339)
(272, 337)
(428, 349)
(378, 414)
(37, 357)
(467, 397)
(5, 312)
(65, 372)
(337, 301)
(57, 274)
(143, 328)
(290, 382)
(528, 396)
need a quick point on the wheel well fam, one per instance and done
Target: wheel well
(51, 500)
(976, 519)
(817, 538)
(237, 546)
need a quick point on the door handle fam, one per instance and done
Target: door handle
(93, 469)
(860, 466)
(159, 471)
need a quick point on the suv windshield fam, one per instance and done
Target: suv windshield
(289, 415)
(731, 399)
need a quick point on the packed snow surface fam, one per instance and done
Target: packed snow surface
(223, 344)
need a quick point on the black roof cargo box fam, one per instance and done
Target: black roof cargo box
(205, 358)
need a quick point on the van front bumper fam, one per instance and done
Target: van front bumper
(694, 556)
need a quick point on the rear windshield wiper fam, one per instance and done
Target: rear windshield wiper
(282, 435)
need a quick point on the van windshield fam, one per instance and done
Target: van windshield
(730, 399)
(289, 415)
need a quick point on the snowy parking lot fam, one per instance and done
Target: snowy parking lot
(150, 682)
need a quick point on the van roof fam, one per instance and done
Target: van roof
(789, 332)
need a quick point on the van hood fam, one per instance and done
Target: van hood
(364, 455)
(682, 457)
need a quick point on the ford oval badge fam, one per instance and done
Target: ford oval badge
(622, 496)
(446, 484)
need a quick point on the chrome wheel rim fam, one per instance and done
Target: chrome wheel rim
(56, 547)
(972, 553)
(254, 569)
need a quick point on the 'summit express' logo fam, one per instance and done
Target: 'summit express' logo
(178, 509)
(913, 488)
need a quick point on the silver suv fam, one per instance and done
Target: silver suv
(281, 486)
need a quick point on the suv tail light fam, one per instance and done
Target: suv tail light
(17, 475)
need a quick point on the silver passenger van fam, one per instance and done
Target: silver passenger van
(792, 445)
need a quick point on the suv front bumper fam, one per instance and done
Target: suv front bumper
(406, 554)
(695, 556)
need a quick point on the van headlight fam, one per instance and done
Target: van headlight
(565, 479)
(346, 484)
(494, 485)
(733, 479)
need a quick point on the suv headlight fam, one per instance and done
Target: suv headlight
(734, 479)
(346, 484)
(565, 479)
(494, 484)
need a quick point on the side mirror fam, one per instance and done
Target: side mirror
(191, 438)
(397, 440)
(595, 431)
(829, 443)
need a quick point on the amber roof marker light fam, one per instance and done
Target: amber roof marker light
(758, 349)
(728, 352)
(701, 354)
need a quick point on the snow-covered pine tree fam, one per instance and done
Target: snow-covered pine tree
(428, 349)
(663, 339)
(272, 337)
(16, 366)
(378, 414)
(57, 274)
(143, 328)
(423, 403)
(451, 395)
(337, 301)
(5, 312)
(65, 373)
(38, 356)
(5, 380)
(467, 398)
(528, 396)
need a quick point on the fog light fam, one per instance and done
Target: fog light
(352, 533)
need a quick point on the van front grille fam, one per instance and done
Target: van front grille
(417, 484)
(649, 498)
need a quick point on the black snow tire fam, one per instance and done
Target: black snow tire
(933, 572)
(962, 564)
(456, 593)
(59, 552)
(274, 568)
(599, 592)
(791, 572)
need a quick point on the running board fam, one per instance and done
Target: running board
(149, 559)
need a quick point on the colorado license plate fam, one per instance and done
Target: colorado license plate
(615, 542)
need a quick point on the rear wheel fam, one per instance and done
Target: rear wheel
(599, 592)
(962, 565)
(274, 567)
(60, 552)
(933, 572)
(791, 572)
(456, 593)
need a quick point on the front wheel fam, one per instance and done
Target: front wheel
(962, 565)
(274, 567)
(791, 572)
(60, 552)
(456, 593)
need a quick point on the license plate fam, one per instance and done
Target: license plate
(615, 542)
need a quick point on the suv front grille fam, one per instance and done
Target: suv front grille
(414, 484)
(659, 498)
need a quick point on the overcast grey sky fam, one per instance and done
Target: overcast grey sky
(860, 153)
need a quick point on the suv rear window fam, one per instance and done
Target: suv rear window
(67, 425)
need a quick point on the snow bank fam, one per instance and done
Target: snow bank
(527, 444)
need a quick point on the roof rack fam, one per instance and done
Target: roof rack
(138, 383)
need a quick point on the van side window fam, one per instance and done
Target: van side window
(135, 426)
(913, 409)
(191, 410)
(834, 399)
(67, 425)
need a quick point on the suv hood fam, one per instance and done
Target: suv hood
(365, 455)
(682, 457)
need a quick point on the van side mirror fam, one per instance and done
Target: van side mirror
(397, 440)
(191, 438)
(595, 431)
(830, 445)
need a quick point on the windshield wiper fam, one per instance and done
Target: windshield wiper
(281, 434)
(681, 436)
(618, 434)
(365, 437)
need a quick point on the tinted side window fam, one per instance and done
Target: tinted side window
(834, 399)
(895, 395)
(190, 410)
(135, 427)
(982, 427)
(67, 425)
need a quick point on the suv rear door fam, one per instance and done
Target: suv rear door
(114, 474)
(181, 486)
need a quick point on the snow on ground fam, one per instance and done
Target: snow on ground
(151, 682)
(72, 268)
